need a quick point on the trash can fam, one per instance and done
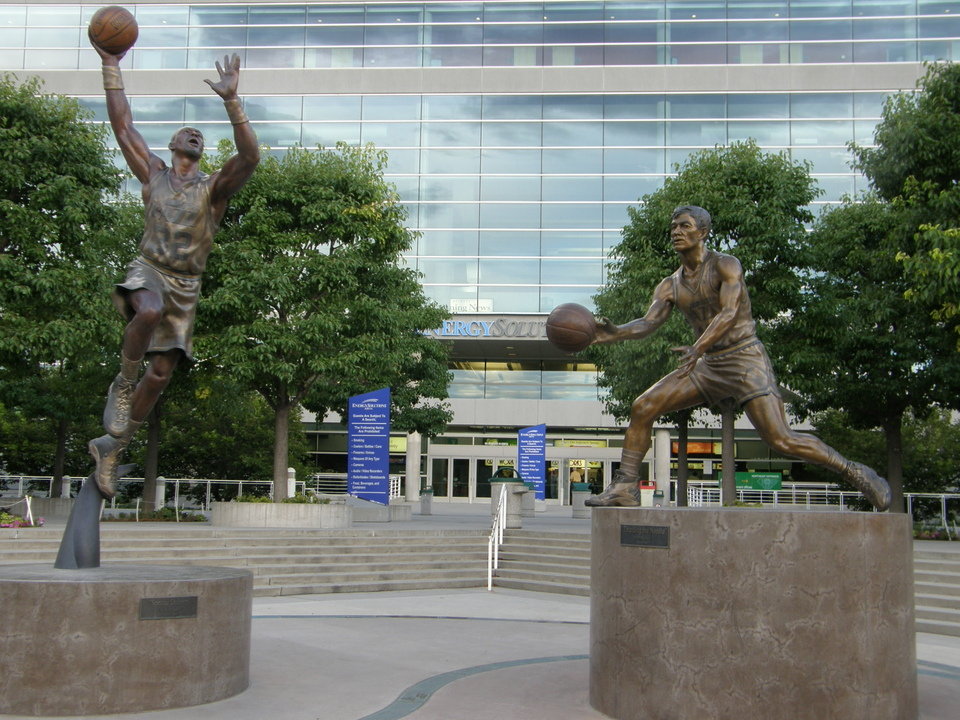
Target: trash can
(579, 492)
(426, 501)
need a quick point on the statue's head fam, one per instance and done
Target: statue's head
(700, 216)
(189, 141)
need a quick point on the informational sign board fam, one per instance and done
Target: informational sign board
(368, 446)
(531, 457)
(758, 480)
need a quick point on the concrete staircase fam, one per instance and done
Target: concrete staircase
(287, 562)
(560, 563)
(545, 562)
(936, 582)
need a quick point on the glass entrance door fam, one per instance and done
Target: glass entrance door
(450, 478)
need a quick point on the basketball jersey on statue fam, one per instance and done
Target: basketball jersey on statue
(698, 298)
(179, 225)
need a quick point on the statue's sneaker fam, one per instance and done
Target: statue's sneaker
(106, 451)
(617, 494)
(116, 414)
(874, 488)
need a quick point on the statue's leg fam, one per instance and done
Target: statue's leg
(770, 419)
(669, 394)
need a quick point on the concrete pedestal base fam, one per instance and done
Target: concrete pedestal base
(752, 614)
(122, 638)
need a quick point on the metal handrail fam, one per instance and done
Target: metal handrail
(496, 536)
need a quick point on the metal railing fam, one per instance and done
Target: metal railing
(496, 535)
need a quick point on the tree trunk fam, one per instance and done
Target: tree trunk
(893, 431)
(56, 485)
(151, 460)
(728, 489)
(683, 431)
(280, 451)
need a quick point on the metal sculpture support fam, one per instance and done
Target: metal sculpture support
(80, 546)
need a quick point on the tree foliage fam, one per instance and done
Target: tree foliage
(915, 164)
(63, 231)
(856, 342)
(759, 203)
(308, 301)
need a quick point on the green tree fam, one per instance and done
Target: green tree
(759, 203)
(915, 163)
(856, 343)
(61, 231)
(308, 300)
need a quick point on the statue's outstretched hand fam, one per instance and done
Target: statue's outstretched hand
(226, 87)
(108, 58)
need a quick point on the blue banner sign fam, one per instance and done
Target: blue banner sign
(368, 446)
(531, 457)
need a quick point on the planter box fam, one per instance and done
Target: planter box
(237, 514)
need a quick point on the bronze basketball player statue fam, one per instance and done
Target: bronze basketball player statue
(183, 208)
(726, 361)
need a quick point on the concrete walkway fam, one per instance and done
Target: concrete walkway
(451, 654)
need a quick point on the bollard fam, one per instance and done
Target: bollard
(426, 501)
(528, 501)
(579, 492)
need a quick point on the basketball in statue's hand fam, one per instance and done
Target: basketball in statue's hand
(113, 29)
(571, 327)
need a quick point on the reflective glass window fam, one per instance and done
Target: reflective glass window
(507, 134)
(158, 59)
(98, 106)
(448, 215)
(279, 134)
(758, 105)
(329, 134)
(572, 134)
(451, 107)
(448, 187)
(448, 270)
(52, 15)
(391, 107)
(509, 242)
(166, 16)
(633, 107)
(566, 243)
(458, 54)
(391, 57)
(772, 133)
(448, 242)
(507, 188)
(451, 134)
(274, 57)
(391, 134)
(821, 105)
(572, 215)
(621, 189)
(574, 270)
(572, 189)
(825, 160)
(160, 34)
(835, 187)
(633, 133)
(563, 162)
(332, 107)
(863, 131)
(199, 109)
(696, 106)
(511, 162)
(572, 107)
(510, 299)
(510, 270)
(455, 161)
(510, 215)
(273, 108)
(633, 161)
(551, 296)
(706, 133)
(449, 296)
(160, 108)
(821, 132)
(697, 32)
(757, 32)
(817, 21)
(403, 161)
(512, 107)
(868, 104)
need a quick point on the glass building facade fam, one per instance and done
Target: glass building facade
(518, 133)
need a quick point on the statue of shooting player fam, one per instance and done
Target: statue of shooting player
(183, 208)
(726, 361)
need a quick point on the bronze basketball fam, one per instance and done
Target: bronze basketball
(571, 327)
(113, 29)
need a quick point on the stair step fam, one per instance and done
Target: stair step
(322, 588)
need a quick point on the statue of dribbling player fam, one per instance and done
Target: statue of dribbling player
(727, 360)
(183, 208)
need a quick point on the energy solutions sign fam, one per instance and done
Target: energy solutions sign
(368, 446)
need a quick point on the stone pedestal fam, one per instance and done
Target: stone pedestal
(122, 638)
(752, 614)
(310, 515)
